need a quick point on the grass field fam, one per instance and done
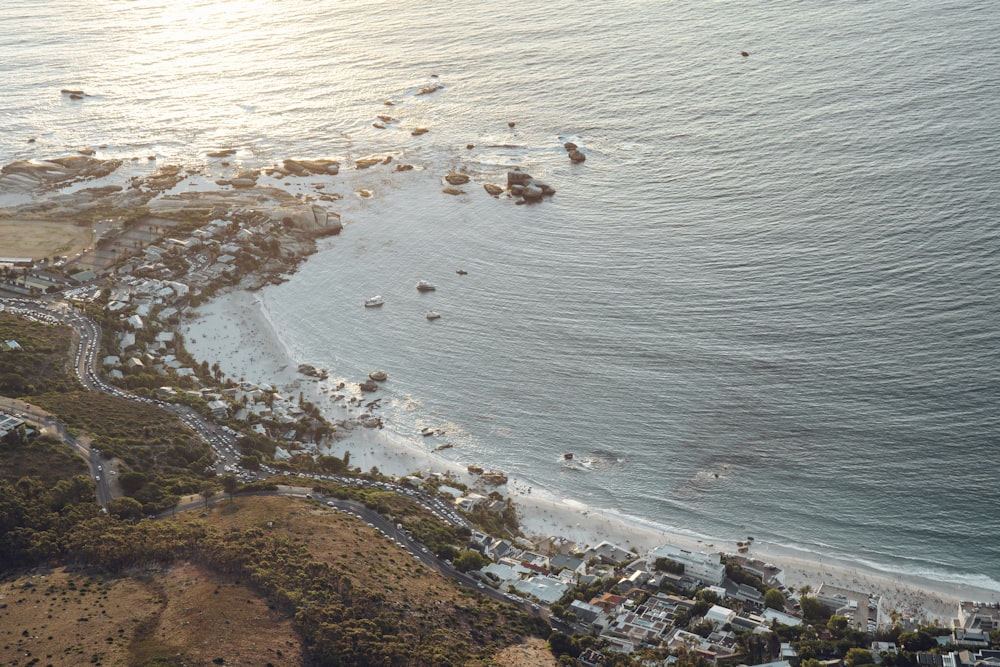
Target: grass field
(37, 238)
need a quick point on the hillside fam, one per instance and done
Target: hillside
(257, 580)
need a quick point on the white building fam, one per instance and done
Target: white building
(707, 568)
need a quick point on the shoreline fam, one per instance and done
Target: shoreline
(233, 330)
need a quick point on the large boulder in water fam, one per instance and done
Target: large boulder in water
(518, 178)
(577, 156)
(531, 192)
(457, 179)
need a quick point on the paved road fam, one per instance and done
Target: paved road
(44, 420)
(223, 443)
(85, 360)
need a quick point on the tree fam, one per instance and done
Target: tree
(774, 599)
(131, 482)
(838, 625)
(858, 656)
(250, 461)
(469, 560)
(702, 628)
(921, 640)
(125, 508)
(230, 484)
(708, 596)
(813, 609)
(207, 490)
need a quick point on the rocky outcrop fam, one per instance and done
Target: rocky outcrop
(531, 192)
(308, 218)
(312, 371)
(494, 477)
(493, 189)
(306, 167)
(457, 179)
(523, 187)
(518, 178)
(366, 162)
(164, 179)
(43, 175)
(433, 88)
(278, 205)
(577, 156)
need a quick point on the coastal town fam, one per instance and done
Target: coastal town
(128, 294)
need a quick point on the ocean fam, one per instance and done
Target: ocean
(766, 304)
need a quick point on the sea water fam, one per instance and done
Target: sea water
(766, 304)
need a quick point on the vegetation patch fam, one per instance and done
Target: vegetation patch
(42, 363)
(44, 458)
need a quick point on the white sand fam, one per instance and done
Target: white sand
(232, 331)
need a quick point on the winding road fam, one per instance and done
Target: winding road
(223, 445)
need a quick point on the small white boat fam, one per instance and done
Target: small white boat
(433, 315)
(374, 302)
(424, 286)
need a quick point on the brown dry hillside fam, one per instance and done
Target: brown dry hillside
(256, 591)
(183, 615)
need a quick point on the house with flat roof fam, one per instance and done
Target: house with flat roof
(546, 589)
(979, 616)
(9, 423)
(220, 409)
(707, 568)
(720, 616)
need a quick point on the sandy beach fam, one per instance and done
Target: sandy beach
(246, 347)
